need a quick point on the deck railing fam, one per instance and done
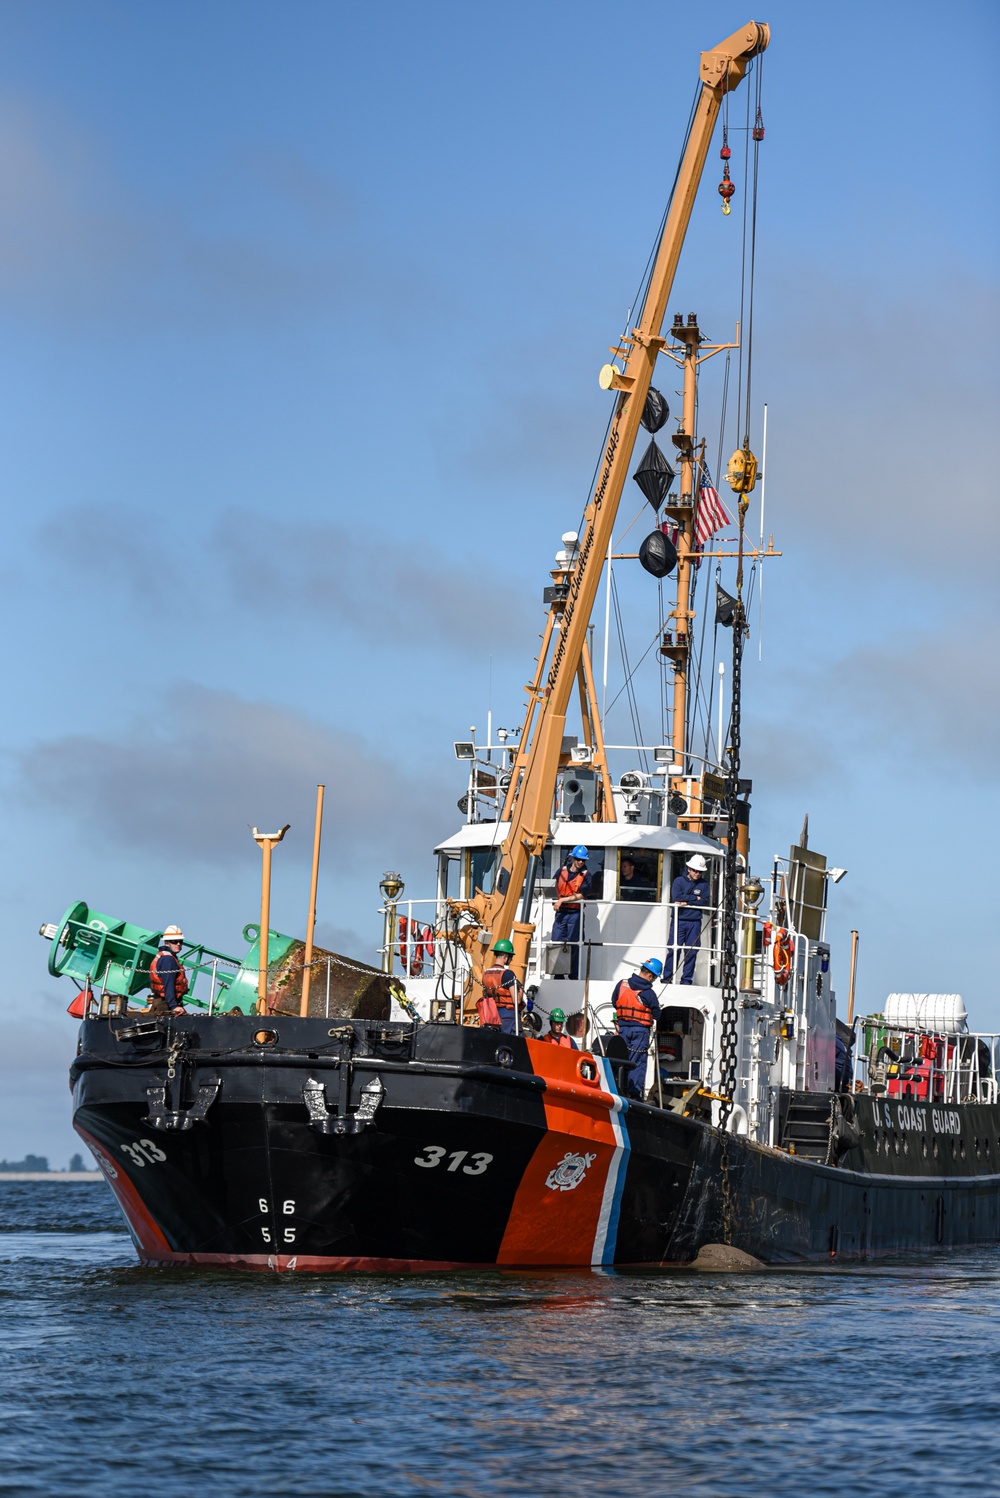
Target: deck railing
(615, 937)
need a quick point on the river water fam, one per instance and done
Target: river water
(116, 1380)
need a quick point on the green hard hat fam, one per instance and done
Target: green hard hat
(503, 945)
(558, 1015)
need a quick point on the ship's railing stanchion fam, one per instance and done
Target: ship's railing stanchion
(327, 1008)
(215, 979)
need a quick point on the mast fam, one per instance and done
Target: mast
(495, 915)
(677, 645)
(690, 335)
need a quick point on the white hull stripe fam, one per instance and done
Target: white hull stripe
(606, 1236)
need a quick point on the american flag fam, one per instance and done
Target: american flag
(711, 514)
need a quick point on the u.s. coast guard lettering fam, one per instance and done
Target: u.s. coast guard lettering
(940, 1120)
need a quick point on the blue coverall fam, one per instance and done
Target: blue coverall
(844, 1073)
(693, 895)
(566, 925)
(634, 1034)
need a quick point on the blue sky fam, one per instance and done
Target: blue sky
(301, 309)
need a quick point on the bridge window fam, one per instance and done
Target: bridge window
(480, 870)
(639, 875)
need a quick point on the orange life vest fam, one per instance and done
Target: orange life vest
(489, 1014)
(562, 1040)
(568, 884)
(495, 989)
(629, 1007)
(156, 982)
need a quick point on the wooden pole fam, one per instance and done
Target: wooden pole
(267, 842)
(265, 917)
(854, 973)
(311, 917)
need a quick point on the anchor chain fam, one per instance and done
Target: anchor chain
(730, 897)
(730, 900)
(742, 477)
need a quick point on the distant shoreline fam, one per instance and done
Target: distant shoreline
(50, 1175)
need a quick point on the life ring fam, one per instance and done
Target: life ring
(424, 946)
(411, 947)
(782, 957)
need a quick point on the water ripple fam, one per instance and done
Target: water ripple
(116, 1380)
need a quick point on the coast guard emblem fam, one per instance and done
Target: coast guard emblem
(570, 1171)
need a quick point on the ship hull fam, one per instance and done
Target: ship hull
(485, 1151)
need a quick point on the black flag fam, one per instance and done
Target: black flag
(654, 475)
(725, 607)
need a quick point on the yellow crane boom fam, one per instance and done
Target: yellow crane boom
(495, 915)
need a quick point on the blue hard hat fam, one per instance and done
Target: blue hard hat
(653, 965)
(580, 852)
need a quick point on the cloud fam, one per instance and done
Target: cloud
(920, 700)
(387, 587)
(184, 786)
(271, 238)
(881, 418)
(380, 585)
(929, 698)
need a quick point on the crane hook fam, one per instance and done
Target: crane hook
(726, 188)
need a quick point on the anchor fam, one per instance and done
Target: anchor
(168, 1114)
(341, 1122)
(162, 1117)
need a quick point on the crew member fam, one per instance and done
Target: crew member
(690, 894)
(630, 883)
(636, 1009)
(167, 979)
(500, 985)
(556, 1033)
(572, 886)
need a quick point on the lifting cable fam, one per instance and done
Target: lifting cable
(730, 913)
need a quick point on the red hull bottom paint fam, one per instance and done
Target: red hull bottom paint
(302, 1263)
(316, 1264)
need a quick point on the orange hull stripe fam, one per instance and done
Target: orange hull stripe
(555, 1213)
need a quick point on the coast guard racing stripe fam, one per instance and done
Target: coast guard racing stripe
(566, 1208)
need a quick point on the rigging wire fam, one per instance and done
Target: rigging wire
(635, 668)
(638, 299)
(701, 703)
(743, 269)
(629, 673)
(640, 295)
(758, 73)
(661, 624)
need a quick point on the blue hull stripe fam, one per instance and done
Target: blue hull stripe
(606, 1237)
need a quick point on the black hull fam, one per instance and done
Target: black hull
(485, 1151)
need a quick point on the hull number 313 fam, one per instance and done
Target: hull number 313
(434, 1154)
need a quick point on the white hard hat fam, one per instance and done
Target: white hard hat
(173, 933)
(696, 861)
